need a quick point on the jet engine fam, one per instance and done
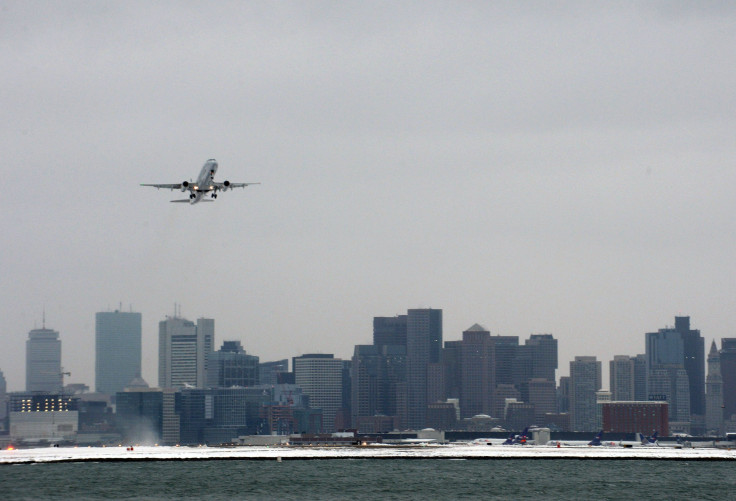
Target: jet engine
(184, 186)
(225, 185)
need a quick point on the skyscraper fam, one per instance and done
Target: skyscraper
(622, 378)
(536, 359)
(367, 395)
(3, 397)
(423, 347)
(393, 380)
(563, 395)
(543, 396)
(693, 346)
(505, 349)
(667, 379)
(268, 371)
(232, 366)
(728, 374)
(389, 330)
(585, 381)
(714, 393)
(149, 415)
(478, 373)
(543, 348)
(43, 361)
(321, 377)
(117, 350)
(640, 377)
(669, 382)
(343, 418)
(183, 351)
(452, 362)
(664, 347)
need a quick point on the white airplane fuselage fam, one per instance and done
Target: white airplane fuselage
(203, 184)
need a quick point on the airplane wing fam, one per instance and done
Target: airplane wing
(228, 185)
(176, 186)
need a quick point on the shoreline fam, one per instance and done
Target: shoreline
(448, 452)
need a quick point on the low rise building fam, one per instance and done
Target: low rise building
(635, 417)
(47, 417)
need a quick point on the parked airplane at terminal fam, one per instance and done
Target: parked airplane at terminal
(580, 443)
(651, 440)
(204, 184)
(517, 439)
(641, 441)
(491, 441)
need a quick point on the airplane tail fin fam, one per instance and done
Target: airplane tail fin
(597, 439)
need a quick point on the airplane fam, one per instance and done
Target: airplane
(517, 439)
(492, 441)
(204, 184)
(596, 442)
(651, 440)
(641, 441)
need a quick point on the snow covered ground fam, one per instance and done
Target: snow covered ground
(453, 451)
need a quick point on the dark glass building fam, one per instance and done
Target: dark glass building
(139, 415)
(504, 351)
(477, 388)
(117, 350)
(694, 361)
(728, 374)
(268, 372)
(218, 415)
(423, 347)
(232, 366)
(389, 330)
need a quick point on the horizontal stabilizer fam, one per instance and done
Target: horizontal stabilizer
(185, 201)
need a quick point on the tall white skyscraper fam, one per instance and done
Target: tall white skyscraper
(117, 350)
(183, 351)
(43, 361)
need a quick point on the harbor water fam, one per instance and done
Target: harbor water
(395, 479)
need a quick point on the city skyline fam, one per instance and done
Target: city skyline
(407, 379)
(559, 371)
(532, 168)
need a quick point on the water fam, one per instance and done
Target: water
(389, 479)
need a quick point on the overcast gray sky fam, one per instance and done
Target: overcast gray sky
(535, 167)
